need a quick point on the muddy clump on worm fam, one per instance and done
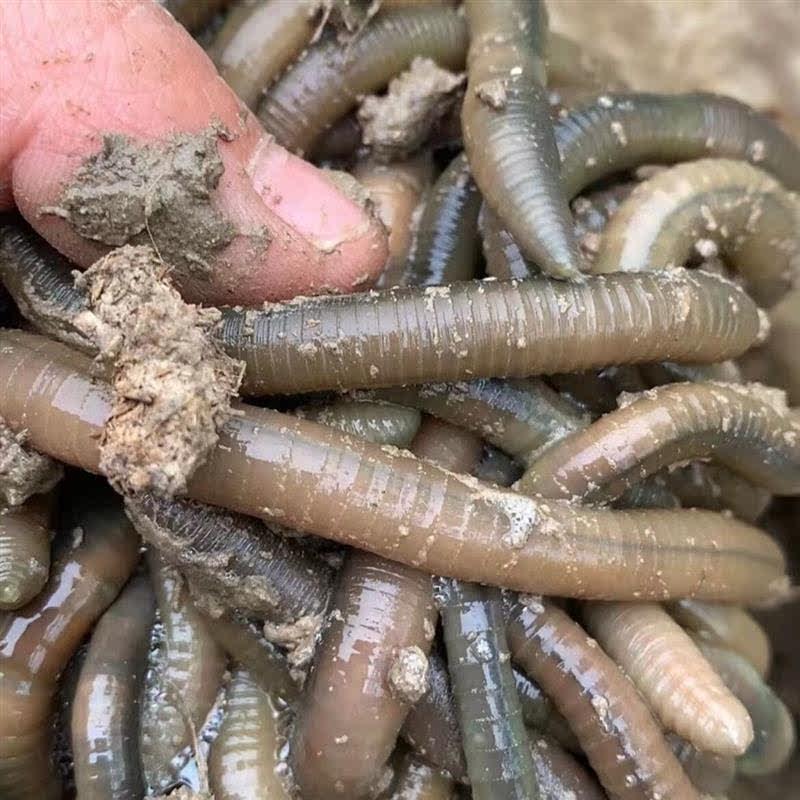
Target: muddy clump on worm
(23, 471)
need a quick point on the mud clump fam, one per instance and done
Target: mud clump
(396, 124)
(23, 471)
(172, 385)
(157, 193)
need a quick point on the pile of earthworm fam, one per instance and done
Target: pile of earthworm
(489, 530)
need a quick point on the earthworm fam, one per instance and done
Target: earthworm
(182, 683)
(559, 774)
(318, 480)
(396, 190)
(487, 329)
(622, 130)
(340, 141)
(24, 551)
(539, 713)
(105, 711)
(743, 427)
(504, 259)
(193, 14)
(726, 626)
(244, 760)
(326, 84)
(709, 206)
(446, 246)
(620, 738)
(379, 423)
(244, 563)
(495, 742)
(255, 45)
(367, 673)
(415, 780)
(772, 722)
(680, 686)
(652, 492)
(508, 135)
(710, 773)
(38, 640)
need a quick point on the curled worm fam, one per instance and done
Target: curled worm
(24, 551)
(710, 207)
(709, 772)
(326, 84)
(244, 760)
(320, 481)
(508, 135)
(680, 686)
(105, 711)
(620, 738)
(726, 626)
(38, 640)
(620, 131)
(772, 722)
(743, 427)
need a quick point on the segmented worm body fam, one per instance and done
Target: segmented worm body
(379, 423)
(622, 741)
(105, 711)
(504, 259)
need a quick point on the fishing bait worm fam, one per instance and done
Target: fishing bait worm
(38, 640)
(709, 207)
(508, 133)
(504, 259)
(182, 682)
(320, 481)
(327, 82)
(105, 710)
(244, 760)
(773, 725)
(680, 686)
(743, 427)
(24, 551)
(244, 563)
(726, 626)
(498, 755)
(618, 131)
(620, 738)
(710, 773)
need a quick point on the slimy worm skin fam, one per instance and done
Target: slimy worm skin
(504, 259)
(772, 722)
(446, 246)
(508, 134)
(255, 45)
(680, 686)
(487, 329)
(379, 423)
(622, 741)
(38, 640)
(726, 626)
(24, 551)
(559, 775)
(315, 479)
(105, 711)
(182, 684)
(499, 763)
(622, 130)
(709, 207)
(244, 563)
(244, 758)
(326, 84)
(415, 780)
(367, 673)
(746, 428)
(539, 713)
(709, 773)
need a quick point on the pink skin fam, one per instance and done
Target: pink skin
(74, 70)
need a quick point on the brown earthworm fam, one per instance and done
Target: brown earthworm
(710, 207)
(105, 711)
(379, 423)
(504, 259)
(620, 738)
(320, 481)
(325, 85)
(743, 427)
(24, 551)
(37, 641)
(726, 626)
(680, 686)
(508, 134)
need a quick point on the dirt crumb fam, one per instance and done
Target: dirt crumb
(396, 124)
(299, 638)
(157, 193)
(493, 93)
(172, 385)
(408, 675)
(23, 471)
